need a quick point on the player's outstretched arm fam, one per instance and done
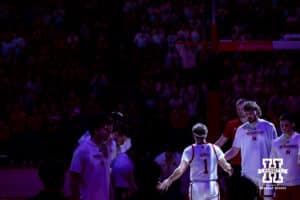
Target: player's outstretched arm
(178, 172)
(226, 166)
(231, 153)
(221, 141)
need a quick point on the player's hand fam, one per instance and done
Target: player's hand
(164, 185)
(230, 171)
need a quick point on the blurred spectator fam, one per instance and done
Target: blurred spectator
(168, 160)
(52, 175)
(147, 176)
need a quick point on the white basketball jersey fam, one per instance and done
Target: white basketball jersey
(203, 159)
(287, 149)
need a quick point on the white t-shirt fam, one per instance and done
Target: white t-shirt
(287, 149)
(255, 144)
(122, 172)
(204, 162)
(93, 167)
(111, 144)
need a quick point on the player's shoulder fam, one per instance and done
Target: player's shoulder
(297, 136)
(189, 148)
(277, 140)
(83, 148)
(243, 127)
(216, 147)
(266, 122)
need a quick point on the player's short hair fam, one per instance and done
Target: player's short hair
(199, 130)
(252, 105)
(287, 116)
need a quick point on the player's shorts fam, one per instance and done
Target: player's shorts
(204, 190)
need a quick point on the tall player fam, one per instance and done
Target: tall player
(287, 147)
(254, 140)
(203, 159)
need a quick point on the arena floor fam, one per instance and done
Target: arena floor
(18, 183)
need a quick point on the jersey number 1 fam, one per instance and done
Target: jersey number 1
(205, 167)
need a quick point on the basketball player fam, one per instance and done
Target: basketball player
(90, 165)
(287, 147)
(203, 159)
(253, 139)
(119, 141)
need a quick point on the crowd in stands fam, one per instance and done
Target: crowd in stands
(61, 62)
(270, 78)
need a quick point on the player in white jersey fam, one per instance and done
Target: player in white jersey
(287, 147)
(253, 138)
(203, 159)
(89, 170)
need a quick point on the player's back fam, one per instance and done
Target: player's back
(204, 163)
